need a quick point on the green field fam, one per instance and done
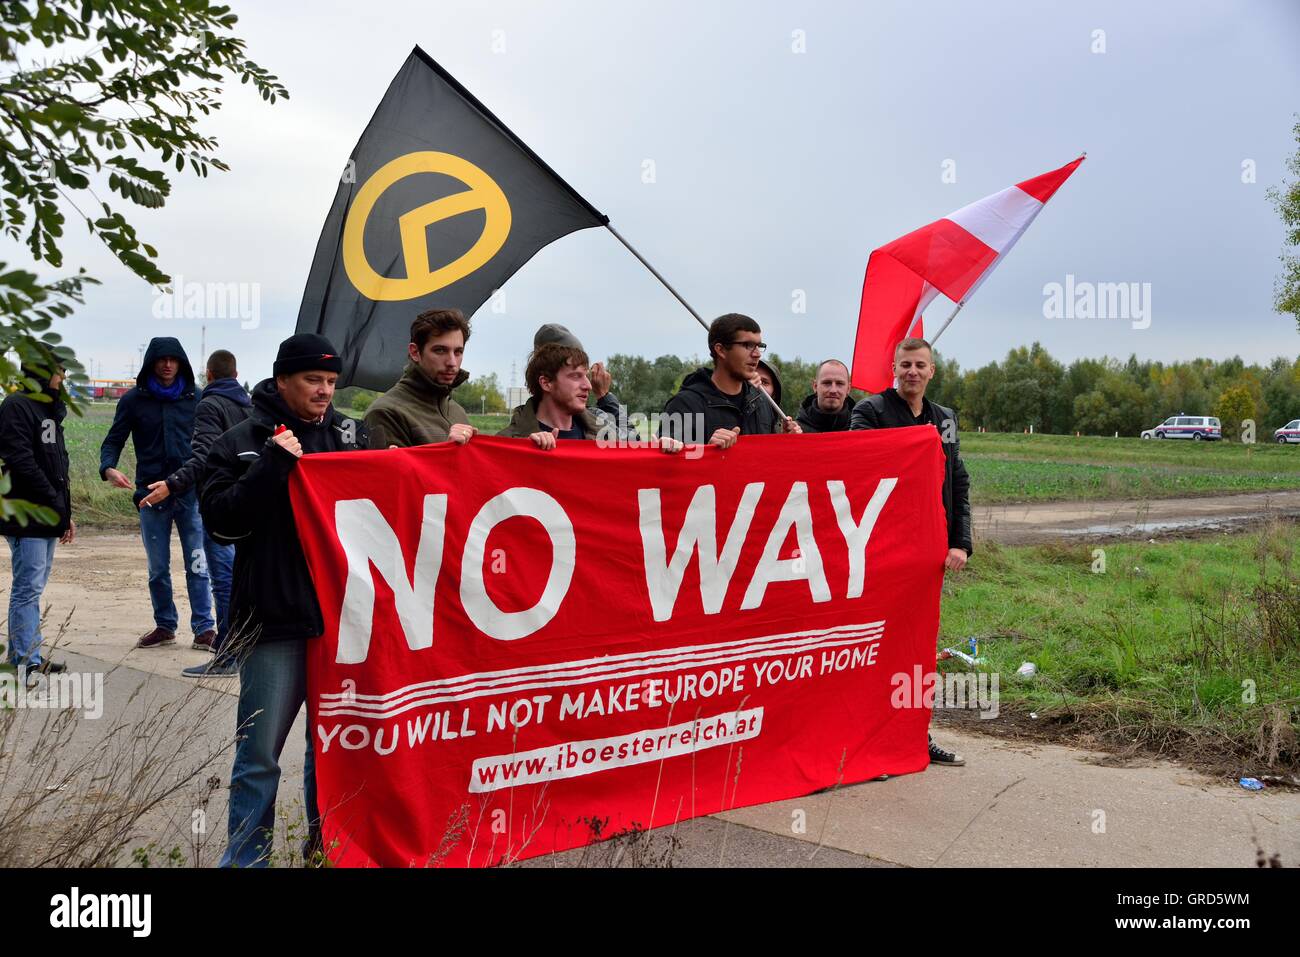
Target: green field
(1190, 648)
(1003, 467)
(1008, 467)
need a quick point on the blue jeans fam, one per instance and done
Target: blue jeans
(272, 689)
(156, 530)
(31, 560)
(221, 559)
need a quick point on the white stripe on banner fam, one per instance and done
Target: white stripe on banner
(590, 670)
(998, 220)
(532, 671)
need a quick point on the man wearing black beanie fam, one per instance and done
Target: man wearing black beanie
(273, 607)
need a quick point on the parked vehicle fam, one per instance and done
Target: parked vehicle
(1288, 433)
(1196, 427)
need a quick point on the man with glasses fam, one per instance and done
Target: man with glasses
(717, 405)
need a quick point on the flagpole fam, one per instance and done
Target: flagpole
(698, 318)
(935, 337)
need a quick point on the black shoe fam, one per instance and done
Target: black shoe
(45, 668)
(939, 756)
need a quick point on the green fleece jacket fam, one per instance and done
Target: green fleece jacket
(415, 411)
(523, 422)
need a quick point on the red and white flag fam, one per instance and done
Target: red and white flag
(952, 256)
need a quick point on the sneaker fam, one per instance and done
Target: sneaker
(36, 672)
(939, 756)
(156, 639)
(205, 641)
(212, 669)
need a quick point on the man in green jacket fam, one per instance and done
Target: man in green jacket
(558, 383)
(419, 408)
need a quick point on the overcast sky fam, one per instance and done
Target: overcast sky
(775, 170)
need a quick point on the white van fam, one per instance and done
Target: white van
(1195, 427)
(1289, 432)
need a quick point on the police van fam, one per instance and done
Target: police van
(1195, 427)
(1289, 432)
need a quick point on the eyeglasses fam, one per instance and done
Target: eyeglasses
(759, 347)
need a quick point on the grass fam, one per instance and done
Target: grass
(94, 501)
(1009, 467)
(1191, 646)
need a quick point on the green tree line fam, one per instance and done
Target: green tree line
(1029, 388)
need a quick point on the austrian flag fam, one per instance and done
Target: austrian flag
(952, 256)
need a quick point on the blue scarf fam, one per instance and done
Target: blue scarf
(169, 393)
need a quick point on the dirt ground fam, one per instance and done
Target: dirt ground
(1153, 518)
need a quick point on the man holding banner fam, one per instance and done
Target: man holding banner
(907, 405)
(273, 607)
(724, 399)
(419, 409)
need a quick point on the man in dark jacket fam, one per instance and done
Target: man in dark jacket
(906, 405)
(827, 409)
(273, 607)
(223, 405)
(158, 415)
(36, 464)
(717, 405)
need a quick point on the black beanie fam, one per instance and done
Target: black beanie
(304, 351)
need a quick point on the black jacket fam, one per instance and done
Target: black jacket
(223, 405)
(245, 500)
(36, 460)
(889, 410)
(159, 429)
(699, 396)
(813, 419)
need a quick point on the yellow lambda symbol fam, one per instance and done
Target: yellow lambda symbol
(483, 193)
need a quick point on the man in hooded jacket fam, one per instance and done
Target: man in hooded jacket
(223, 405)
(158, 416)
(273, 608)
(717, 405)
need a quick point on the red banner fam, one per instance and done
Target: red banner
(525, 650)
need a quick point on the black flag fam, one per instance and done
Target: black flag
(439, 205)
